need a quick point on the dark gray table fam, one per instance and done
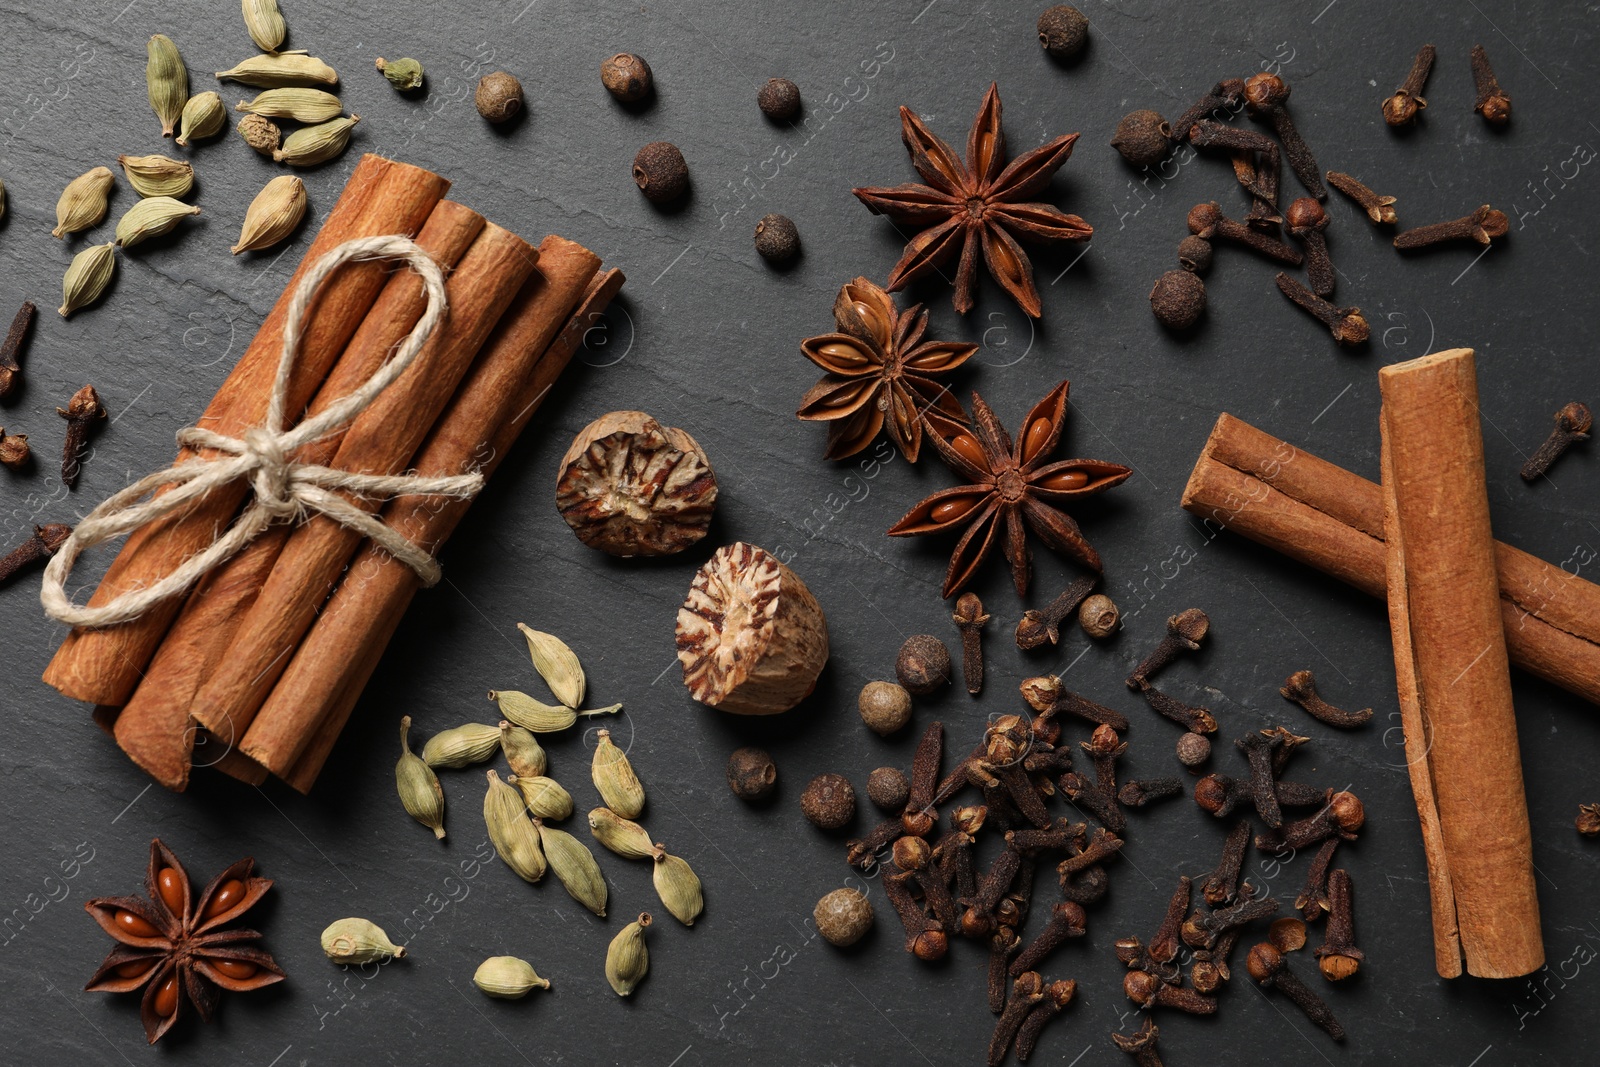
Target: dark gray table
(706, 337)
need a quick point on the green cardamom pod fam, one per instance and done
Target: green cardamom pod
(84, 201)
(310, 145)
(462, 746)
(87, 277)
(167, 81)
(265, 23)
(545, 797)
(419, 787)
(511, 831)
(203, 116)
(575, 865)
(678, 887)
(301, 105)
(613, 776)
(530, 714)
(157, 175)
(557, 664)
(260, 133)
(404, 74)
(273, 214)
(151, 217)
(623, 836)
(358, 941)
(522, 749)
(627, 957)
(508, 978)
(278, 72)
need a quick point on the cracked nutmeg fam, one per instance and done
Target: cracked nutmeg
(751, 637)
(632, 487)
(1013, 487)
(983, 203)
(179, 947)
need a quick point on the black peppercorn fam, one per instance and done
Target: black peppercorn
(924, 665)
(884, 706)
(829, 801)
(1143, 138)
(751, 773)
(499, 97)
(1194, 254)
(1063, 30)
(888, 788)
(1178, 299)
(660, 172)
(626, 77)
(843, 917)
(779, 99)
(776, 238)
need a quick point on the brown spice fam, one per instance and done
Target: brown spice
(888, 788)
(751, 774)
(923, 665)
(969, 618)
(660, 172)
(14, 451)
(777, 239)
(1573, 423)
(1143, 138)
(1380, 209)
(1493, 103)
(885, 707)
(829, 801)
(498, 97)
(1063, 31)
(1178, 299)
(1099, 617)
(82, 412)
(11, 349)
(626, 77)
(1407, 103)
(843, 917)
(779, 99)
(40, 546)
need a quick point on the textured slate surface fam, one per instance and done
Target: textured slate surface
(705, 337)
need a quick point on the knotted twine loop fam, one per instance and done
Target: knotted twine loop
(282, 489)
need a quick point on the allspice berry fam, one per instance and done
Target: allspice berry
(1178, 299)
(779, 99)
(1063, 31)
(887, 787)
(829, 801)
(924, 665)
(1099, 616)
(1194, 254)
(884, 706)
(751, 774)
(843, 917)
(499, 97)
(626, 77)
(1143, 137)
(1193, 750)
(660, 172)
(776, 238)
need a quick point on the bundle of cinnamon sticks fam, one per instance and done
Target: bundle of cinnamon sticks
(256, 671)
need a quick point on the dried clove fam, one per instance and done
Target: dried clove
(1313, 899)
(81, 413)
(1588, 820)
(40, 546)
(1219, 794)
(1493, 103)
(1208, 221)
(863, 852)
(1301, 688)
(978, 920)
(1345, 323)
(1141, 791)
(1338, 956)
(1086, 794)
(1379, 209)
(924, 939)
(1202, 931)
(1062, 835)
(1402, 108)
(1141, 1045)
(1185, 631)
(1012, 910)
(1263, 790)
(969, 618)
(1046, 695)
(1067, 920)
(14, 451)
(1307, 220)
(1038, 627)
(1343, 814)
(1087, 886)
(1266, 965)
(1026, 992)
(954, 856)
(1267, 94)
(1194, 719)
(1482, 226)
(1573, 423)
(1145, 990)
(1057, 996)
(1164, 945)
(11, 349)
(1102, 845)
(1003, 944)
(1225, 98)
(1287, 741)
(1222, 884)
(920, 816)
(1263, 181)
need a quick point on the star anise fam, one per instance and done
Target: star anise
(980, 203)
(1013, 486)
(174, 945)
(880, 372)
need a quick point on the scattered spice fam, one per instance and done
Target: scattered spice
(157, 175)
(829, 801)
(614, 778)
(1178, 299)
(1046, 695)
(1099, 617)
(1143, 138)
(12, 348)
(205, 115)
(1063, 31)
(515, 840)
(1306, 220)
(178, 946)
(886, 707)
(1223, 99)
(1482, 226)
(1193, 749)
(1313, 900)
(545, 797)
(660, 172)
(1587, 822)
(751, 773)
(280, 71)
(420, 792)
(1338, 956)
(1266, 94)
(151, 217)
(632, 487)
(260, 133)
(84, 202)
(1266, 965)
(1147, 990)
(1208, 221)
(265, 24)
(969, 618)
(628, 957)
(779, 99)
(1380, 209)
(1141, 1044)
(1190, 717)
(1573, 423)
(1343, 814)
(40, 546)
(1195, 254)
(1301, 688)
(1402, 108)
(498, 97)
(1346, 324)
(574, 865)
(14, 451)
(982, 203)
(167, 81)
(1058, 995)
(1185, 631)
(358, 941)
(405, 75)
(626, 77)
(1261, 179)
(82, 413)
(1493, 103)
(1221, 886)
(777, 240)
(843, 917)
(1037, 627)
(888, 788)
(677, 886)
(507, 978)
(311, 145)
(919, 817)
(923, 667)
(273, 215)
(1027, 991)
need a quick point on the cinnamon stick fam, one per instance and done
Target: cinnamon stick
(1283, 497)
(381, 440)
(153, 729)
(381, 197)
(1451, 659)
(333, 664)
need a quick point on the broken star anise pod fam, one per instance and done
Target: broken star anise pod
(1013, 486)
(982, 203)
(880, 373)
(177, 946)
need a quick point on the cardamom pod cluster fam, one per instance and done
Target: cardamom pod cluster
(507, 977)
(614, 777)
(265, 23)
(311, 145)
(280, 72)
(151, 217)
(404, 74)
(545, 797)
(260, 133)
(358, 941)
(167, 81)
(301, 105)
(530, 714)
(557, 664)
(575, 865)
(462, 746)
(203, 116)
(511, 831)
(158, 175)
(84, 201)
(273, 215)
(628, 957)
(87, 277)
(522, 750)
(420, 792)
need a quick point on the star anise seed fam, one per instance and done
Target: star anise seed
(1013, 486)
(980, 204)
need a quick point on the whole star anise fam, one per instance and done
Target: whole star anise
(1013, 486)
(982, 203)
(880, 372)
(174, 947)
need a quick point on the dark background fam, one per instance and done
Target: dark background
(706, 337)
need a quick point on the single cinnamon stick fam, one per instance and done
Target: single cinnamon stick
(381, 440)
(381, 197)
(1320, 514)
(153, 729)
(333, 664)
(1452, 662)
